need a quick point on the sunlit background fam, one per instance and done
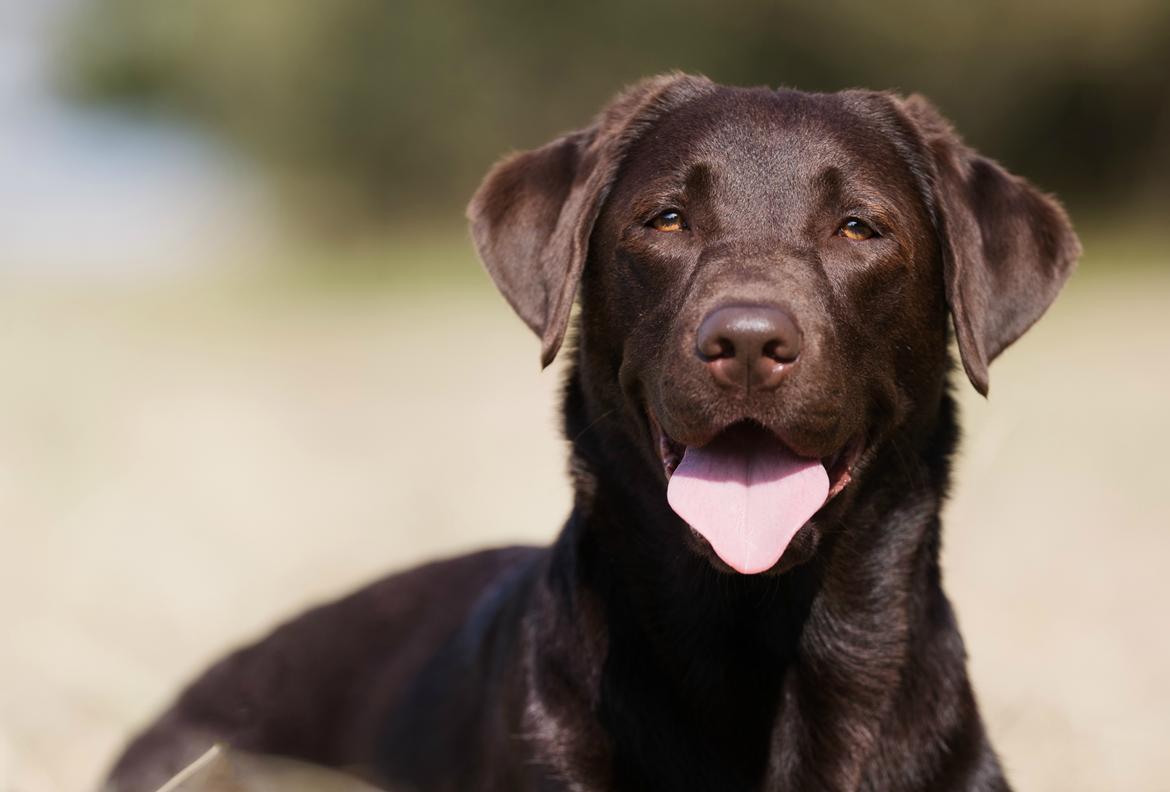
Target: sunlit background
(250, 361)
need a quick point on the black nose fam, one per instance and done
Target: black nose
(748, 346)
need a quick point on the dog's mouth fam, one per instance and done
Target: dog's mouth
(746, 492)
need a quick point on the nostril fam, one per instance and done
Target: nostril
(716, 348)
(781, 350)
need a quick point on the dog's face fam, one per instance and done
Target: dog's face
(766, 278)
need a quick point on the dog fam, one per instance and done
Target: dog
(746, 594)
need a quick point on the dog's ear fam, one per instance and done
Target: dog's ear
(532, 216)
(1007, 247)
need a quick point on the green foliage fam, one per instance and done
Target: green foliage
(369, 108)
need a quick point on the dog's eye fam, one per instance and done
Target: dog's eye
(856, 230)
(668, 221)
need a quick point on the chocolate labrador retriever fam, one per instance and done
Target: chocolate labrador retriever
(747, 592)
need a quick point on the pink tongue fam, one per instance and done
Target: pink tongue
(747, 495)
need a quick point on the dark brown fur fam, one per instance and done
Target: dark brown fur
(626, 656)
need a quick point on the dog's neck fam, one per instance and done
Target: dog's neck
(732, 660)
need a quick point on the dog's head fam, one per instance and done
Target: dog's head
(765, 279)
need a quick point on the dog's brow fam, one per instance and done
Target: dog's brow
(873, 205)
(828, 185)
(656, 200)
(681, 187)
(837, 191)
(699, 181)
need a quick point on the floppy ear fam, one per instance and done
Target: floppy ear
(1007, 248)
(532, 216)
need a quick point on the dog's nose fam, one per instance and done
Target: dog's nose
(748, 346)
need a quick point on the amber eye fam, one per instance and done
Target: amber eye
(668, 221)
(856, 230)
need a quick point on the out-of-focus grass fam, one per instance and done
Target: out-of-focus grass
(422, 259)
(1136, 250)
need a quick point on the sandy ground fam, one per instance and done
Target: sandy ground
(180, 466)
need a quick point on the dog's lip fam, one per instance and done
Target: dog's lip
(839, 465)
(670, 451)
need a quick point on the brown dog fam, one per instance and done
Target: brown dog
(747, 592)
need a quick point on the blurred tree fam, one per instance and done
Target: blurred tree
(367, 108)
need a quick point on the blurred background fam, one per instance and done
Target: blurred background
(233, 272)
